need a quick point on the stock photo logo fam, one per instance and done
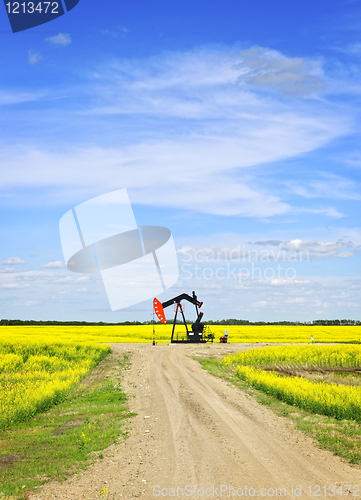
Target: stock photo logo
(135, 263)
(26, 15)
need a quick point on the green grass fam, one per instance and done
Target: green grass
(342, 437)
(70, 436)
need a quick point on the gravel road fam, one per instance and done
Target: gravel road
(194, 430)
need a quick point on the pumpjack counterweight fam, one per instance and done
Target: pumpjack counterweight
(198, 332)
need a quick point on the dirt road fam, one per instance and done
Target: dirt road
(194, 429)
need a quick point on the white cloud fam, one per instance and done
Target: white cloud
(62, 39)
(71, 280)
(12, 97)
(260, 303)
(319, 249)
(327, 186)
(342, 295)
(52, 278)
(284, 282)
(12, 270)
(12, 261)
(209, 121)
(34, 57)
(346, 253)
(82, 290)
(119, 30)
(269, 242)
(295, 300)
(54, 265)
(14, 285)
(348, 304)
(320, 303)
(293, 77)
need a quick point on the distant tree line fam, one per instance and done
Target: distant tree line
(222, 322)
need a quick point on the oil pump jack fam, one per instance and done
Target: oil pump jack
(198, 332)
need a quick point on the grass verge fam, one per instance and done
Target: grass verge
(342, 437)
(70, 436)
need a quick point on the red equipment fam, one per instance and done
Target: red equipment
(159, 311)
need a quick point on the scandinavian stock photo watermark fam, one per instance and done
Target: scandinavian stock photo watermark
(231, 491)
(239, 264)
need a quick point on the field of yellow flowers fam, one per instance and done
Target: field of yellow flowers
(341, 401)
(144, 333)
(35, 374)
(308, 356)
(40, 364)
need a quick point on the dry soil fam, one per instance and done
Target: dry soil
(197, 433)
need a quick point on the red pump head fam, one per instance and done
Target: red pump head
(159, 311)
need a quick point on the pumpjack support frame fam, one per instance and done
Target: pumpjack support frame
(198, 333)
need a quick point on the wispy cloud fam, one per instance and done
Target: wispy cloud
(116, 32)
(14, 285)
(62, 39)
(293, 77)
(34, 57)
(326, 186)
(212, 128)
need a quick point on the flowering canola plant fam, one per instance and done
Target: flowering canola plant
(36, 375)
(144, 333)
(327, 356)
(339, 401)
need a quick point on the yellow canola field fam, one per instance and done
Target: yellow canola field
(330, 356)
(35, 374)
(339, 401)
(144, 333)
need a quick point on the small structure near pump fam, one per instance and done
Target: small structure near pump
(224, 339)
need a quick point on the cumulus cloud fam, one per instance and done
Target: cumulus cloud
(12, 261)
(11, 270)
(320, 303)
(320, 249)
(346, 253)
(62, 39)
(59, 264)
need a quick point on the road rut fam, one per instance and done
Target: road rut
(197, 433)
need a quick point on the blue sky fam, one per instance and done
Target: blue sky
(234, 124)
